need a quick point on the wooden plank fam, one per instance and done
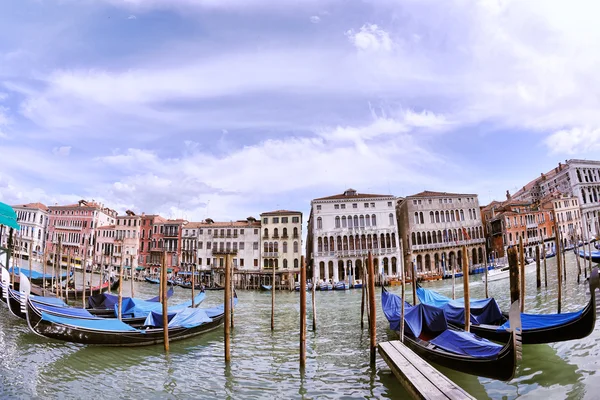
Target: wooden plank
(417, 376)
(413, 381)
(451, 389)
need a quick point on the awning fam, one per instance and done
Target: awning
(8, 216)
(139, 268)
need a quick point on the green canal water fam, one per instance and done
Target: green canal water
(265, 364)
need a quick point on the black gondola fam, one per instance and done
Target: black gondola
(458, 350)
(112, 332)
(188, 285)
(103, 305)
(537, 328)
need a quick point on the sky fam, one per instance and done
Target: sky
(224, 109)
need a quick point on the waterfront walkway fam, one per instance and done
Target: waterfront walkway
(417, 376)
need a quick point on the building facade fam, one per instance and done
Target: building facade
(568, 218)
(435, 226)
(150, 236)
(281, 240)
(127, 238)
(76, 225)
(33, 220)
(104, 251)
(343, 228)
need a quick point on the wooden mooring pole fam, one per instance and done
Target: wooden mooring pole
(231, 293)
(83, 268)
(465, 269)
(545, 267)
(564, 259)
(522, 273)
(68, 274)
(93, 243)
(414, 282)
(558, 263)
(538, 274)
(121, 286)
(402, 299)
(193, 269)
(273, 301)
(578, 262)
(513, 265)
(163, 299)
(314, 304)
(227, 302)
(486, 273)
(302, 313)
(362, 303)
(373, 312)
(30, 260)
(44, 272)
(131, 277)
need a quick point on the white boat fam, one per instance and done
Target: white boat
(504, 272)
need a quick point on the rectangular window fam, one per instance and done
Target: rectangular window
(318, 207)
(234, 246)
(343, 206)
(241, 245)
(414, 202)
(241, 262)
(295, 220)
(208, 261)
(256, 262)
(275, 220)
(256, 231)
(336, 206)
(209, 231)
(241, 231)
(200, 231)
(372, 205)
(199, 261)
(255, 246)
(366, 205)
(390, 203)
(265, 220)
(284, 220)
(208, 245)
(200, 244)
(354, 205)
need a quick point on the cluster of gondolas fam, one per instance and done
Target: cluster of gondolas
(141, 321)
(434, 329)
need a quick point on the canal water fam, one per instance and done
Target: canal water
(265, 364)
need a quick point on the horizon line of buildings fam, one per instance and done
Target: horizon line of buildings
(428, 228)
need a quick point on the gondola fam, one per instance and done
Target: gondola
(487, 321)
(341, 286)
(154, 281)
(78, 293)
(197, 286)
(37, 278)
(215, 287)
(112, 332)
(104, 304)
(594, 254)
(428, 335)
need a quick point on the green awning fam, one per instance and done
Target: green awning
(139, 268)
(8, 216)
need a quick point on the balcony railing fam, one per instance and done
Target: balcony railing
(275, 236)
(357, 253)
(433, 246)
(295, 236)
(271, 254)
(532, 225)
(266, 236)
(67, 227)
(171, 234)
(284, 236)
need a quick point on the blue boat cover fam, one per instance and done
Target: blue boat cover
(53, 301)
(108, 300)
(137, 308)
(100, 324)
(34, 274)
(66, 311)
(537, 321)
(484, 311)
(428, 323)
(186, 318)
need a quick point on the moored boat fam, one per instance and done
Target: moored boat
(586, 255)
(341, 286)
(266, 287)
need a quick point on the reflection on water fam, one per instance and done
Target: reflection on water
(265, 364)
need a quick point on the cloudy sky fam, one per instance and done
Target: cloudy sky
(227, 108)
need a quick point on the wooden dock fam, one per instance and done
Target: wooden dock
(417, 376)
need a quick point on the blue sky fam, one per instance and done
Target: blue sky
(228, 108)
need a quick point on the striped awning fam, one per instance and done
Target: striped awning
(8, 216)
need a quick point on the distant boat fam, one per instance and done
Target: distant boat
(586, 255)
(326, 286)
(504, 272)
(341, 286)
(358, 284)
(152, 280)
(266, 287)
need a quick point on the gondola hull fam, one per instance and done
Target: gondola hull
(14, 303)
(124, 338)
(501, 368)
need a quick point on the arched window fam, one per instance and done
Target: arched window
(285, 247)
(416, 217)
(391, 216)
(382, 241)
(271, 247)
(418, 238)
(431, 217)
(362, 221)
(275, 233)
(349, 221)
(374, 240)
(337, 222)
(462, 215)
(266, 264)
(356, 221)
(331, 241)
(285, 262)
(447, 216)
(345, 243)
(284, 232)
(319, 223)
(368, 220)
(339, 243)
(266, 234)
(295, 247)
(343, 221)
(452, 216)
(295, 233)
(351, 242)
(373, 220)
(393, 241)
(428, 237)
(325, 244)
(437, 216)
(320, 245)
(296, 263)
(421, 218)
(457, 216)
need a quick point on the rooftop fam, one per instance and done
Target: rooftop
(280, 212)
(353, 194)
(429, 193)
(38, 206)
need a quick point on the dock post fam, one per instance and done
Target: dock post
(83, 263)
(402, 299)
(131, 276)
(414, 282)
(121, 286)
(513, 265)
(545, 267)
(30, 260)
(362, 303)
(227, 301)
(9, 244)
(44, 272)
(68, 273)
(373, 312)
(522, 273)
(273, 301)
(465, 268)
(314, 304)
(578, 262)
(58, 268)
(564, 259)
(538, 275)
(485, 271)
(92, 270)
(558, 262)
(302, 313)
(163, 299)
(232, 291)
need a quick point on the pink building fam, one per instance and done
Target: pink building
(74, 224)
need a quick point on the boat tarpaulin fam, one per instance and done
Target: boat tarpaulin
(186, 318)
(137, 308)
(483, 311)
(414, 316)
(537, 321)
(34, 274)
(99, 324)
(67, 311)
(52, 301)
(108, 300)
(461, 342)
(8, 217)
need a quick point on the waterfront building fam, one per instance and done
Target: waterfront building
(281, 240)
(578, 178)
(435, 226)
(515, 219)
(149, 237)
(75, 224)
(343, 228)
(568, 217)
(127, 238)
(166, 237)
(33, 220)
(104, 254)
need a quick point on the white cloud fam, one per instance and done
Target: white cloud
(574, 140)
(315, 19)
(62, 151)
(132, 17)
(370, 38)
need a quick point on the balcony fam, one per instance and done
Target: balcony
(435, 246)
(271, 254)
(532, 225)
(276, 236)
(295, 236)
(266, 236)
(284, 236)
(171, 234)
(69, 228)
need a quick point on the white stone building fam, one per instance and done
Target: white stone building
(579, 178)
(568, 219)
(33, 220)
(281, 240)
(436, 225)
(342, 229)
(127, 239)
